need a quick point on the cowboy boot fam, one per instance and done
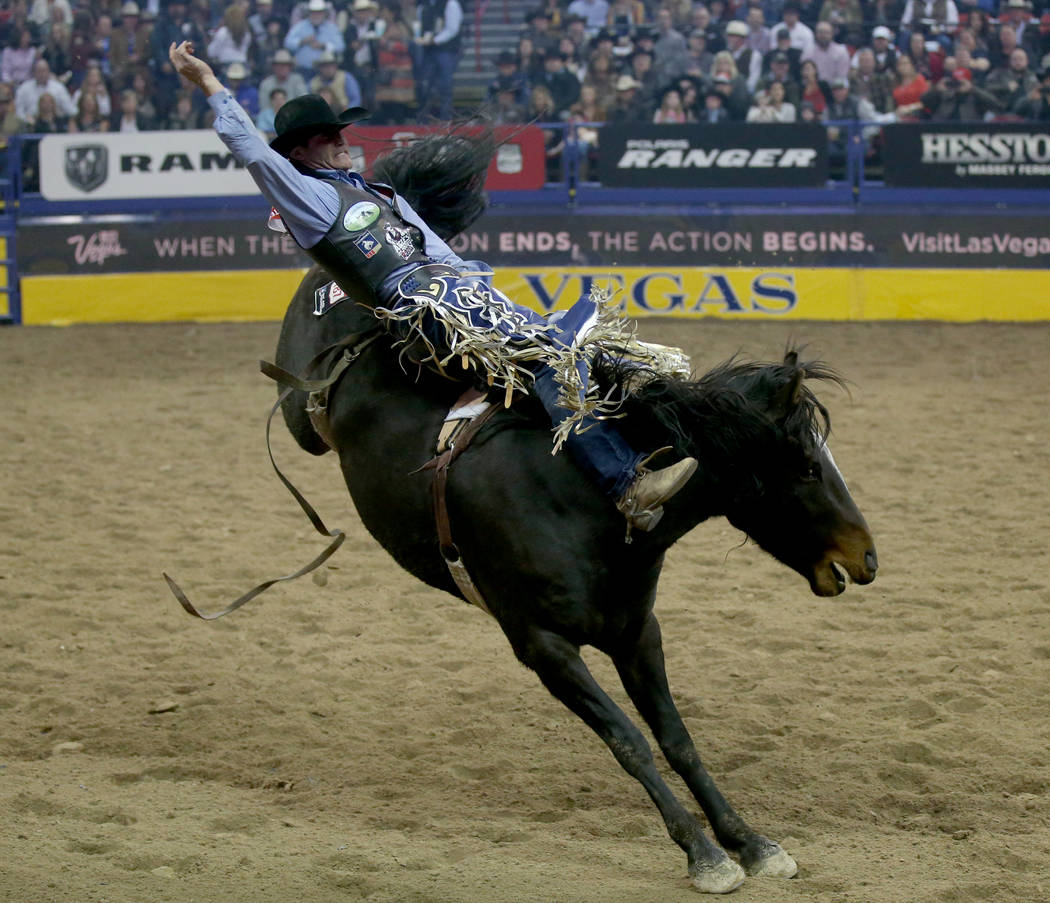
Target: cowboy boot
(642, 503)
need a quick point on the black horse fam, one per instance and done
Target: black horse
(546, 549)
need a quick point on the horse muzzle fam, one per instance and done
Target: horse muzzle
(828, 577)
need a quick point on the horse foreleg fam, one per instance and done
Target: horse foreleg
(641, 668)
(563, 672)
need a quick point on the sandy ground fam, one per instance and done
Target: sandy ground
(372, 739)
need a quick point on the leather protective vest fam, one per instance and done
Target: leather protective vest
(368, 239)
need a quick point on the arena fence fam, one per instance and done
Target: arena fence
(11, 308)
(840, 246)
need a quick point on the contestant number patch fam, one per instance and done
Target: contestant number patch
(360, 216)
(326, 297)
(367, 244)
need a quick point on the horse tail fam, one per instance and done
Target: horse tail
(442, 176)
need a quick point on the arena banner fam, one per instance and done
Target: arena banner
(104, 166)
(197, 164)
(741, 293)
(728, 155)
(967, 155)
(519, 163)
(55, 247)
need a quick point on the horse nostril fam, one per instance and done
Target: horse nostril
(871, 561)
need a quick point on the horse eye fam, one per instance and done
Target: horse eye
(811, 472)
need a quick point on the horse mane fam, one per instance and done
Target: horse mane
(442, 176)
(735, 395)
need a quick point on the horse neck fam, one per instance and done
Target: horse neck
(715, 440)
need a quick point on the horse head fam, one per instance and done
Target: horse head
(795, 504)
(760, 435)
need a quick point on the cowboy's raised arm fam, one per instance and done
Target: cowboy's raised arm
(193, 69)
(308, 206)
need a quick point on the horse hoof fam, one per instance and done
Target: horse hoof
(717, 878)
(773, 864)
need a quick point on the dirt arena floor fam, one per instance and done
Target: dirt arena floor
(362, 737)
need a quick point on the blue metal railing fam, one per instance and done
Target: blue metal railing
(10, 190)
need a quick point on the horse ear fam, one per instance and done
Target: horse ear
(786, 398)
(791, 358)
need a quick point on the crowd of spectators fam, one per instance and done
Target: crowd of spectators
(102, 65)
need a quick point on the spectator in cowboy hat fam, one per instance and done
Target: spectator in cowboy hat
(310, 37)
(641, 68)
(129, 44)
(282, 76)
(344, 87)
(782, 44)
(698, 58)
(714, 110)
(748, 61)
(801, 34)
(1018, 16)
(562, 84)
(265, 48)
(245, 93)
(508, 78)
(575, 30)
(538, 30)
(628, 106)
(780, 72)
(361, 57)
(700, 20)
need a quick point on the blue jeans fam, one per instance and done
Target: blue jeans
(600, 451)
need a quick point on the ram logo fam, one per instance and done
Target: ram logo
(87, 166)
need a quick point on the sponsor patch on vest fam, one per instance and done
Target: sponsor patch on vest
(327, 297)
(400, 240)
(360, 216)
(367, 244)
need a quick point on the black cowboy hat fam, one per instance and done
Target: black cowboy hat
(302, 117)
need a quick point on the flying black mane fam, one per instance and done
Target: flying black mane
(442, 177)
(729, 408)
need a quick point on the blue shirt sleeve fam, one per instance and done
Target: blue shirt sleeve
(308, 206)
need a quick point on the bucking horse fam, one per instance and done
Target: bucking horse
(544, 548)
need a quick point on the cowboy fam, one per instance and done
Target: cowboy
(362, 231)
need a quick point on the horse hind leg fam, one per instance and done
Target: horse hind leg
(564, 674)
(641, 668)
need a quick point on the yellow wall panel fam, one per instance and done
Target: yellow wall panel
(736, 293)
